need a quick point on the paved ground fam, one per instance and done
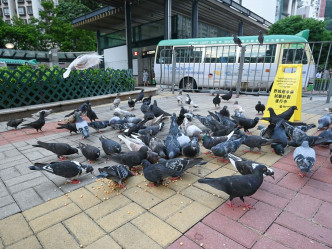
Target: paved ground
(37, 210)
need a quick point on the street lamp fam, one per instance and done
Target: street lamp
(9, 45)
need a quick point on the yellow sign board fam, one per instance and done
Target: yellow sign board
(286, 91)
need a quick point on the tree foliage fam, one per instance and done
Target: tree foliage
(52, 30)
(294, 24)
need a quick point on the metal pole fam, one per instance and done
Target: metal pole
(328, 99)
(173, 69)
(194, 19)
(167, 19)
(239, 79)
(128, 34)
(240, 28)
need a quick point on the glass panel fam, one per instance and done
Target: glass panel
(164, 55)
(188, 55)
(259, 54)
(222, 54)
(294, 56)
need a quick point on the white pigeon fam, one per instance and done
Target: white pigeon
(82, 62)
(190, 102)
(122, 113)
(191, 129)
(305, 158)
(180, 98)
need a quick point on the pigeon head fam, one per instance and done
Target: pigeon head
(260, 169)
(87, 168)
(259, 102)
(84, 131)
(145, 163)
(294, 107)
(102, 169)
(256, 119)
(269, 172)
(278, 149)
(143, 150)
(305, 144)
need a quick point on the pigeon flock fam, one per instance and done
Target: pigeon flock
(169, 156)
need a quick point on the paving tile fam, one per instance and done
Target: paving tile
(268, 159)
(6, 200)
(278, 190)
(323, 175)
(286, 167)
(170, 206)
(156, 229)
(13, 229)
(28, 243)
(107, 206)
(232, 229)
(57, 236)
(84, 229)
(9, 173)
(83, 198)
(320, 185)
(278, 175)
(119, 217)
(235, 213)
(261, 217)
(180, 185)
(45, 208)
(188, 216)
(265, 243)
(9, 210)
(305, 227)
(3, 189)
(209, 238)
(324, 215)
(321, 194)
(23, 178)
(161, 192)
(293, 181)
(27, 199)
(54, 217)
(102, 190)
(199, 171)
(106, 242)
(27, 184)
(142, 197)
(270, 199)
(205, 198)
(292, 239)
(130, 237)
(304, 206)
(184, 243)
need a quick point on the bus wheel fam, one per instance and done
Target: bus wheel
(188, 83)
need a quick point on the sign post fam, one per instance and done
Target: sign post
(286, 91)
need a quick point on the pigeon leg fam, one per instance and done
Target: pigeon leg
(174, 178)
(100, 132)
(207, 153)
(247, 206)
(122, 186)
(75, 181)
(249, 133)
(213, 156)
(151, 184)
(301, 174)
(246, 151)
(134, 173)
(230, 204)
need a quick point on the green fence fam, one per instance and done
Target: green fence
(30, 87)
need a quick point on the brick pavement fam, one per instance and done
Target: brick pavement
(37, 210)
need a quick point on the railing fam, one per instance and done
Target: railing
(29, 87)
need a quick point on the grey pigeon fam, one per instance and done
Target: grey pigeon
(331, 154)
(305, 158)
(71, 127)
(216, 101)
(91, 114)
(90, 152)
(179, 165)
(140, 96)
(38, 124)
(327, 134)
(192, 148)
(97, 125)
(154, 129)
(82, 126)
(60, 149)
(173, 148)
(209, 141)
(67, 169)
(246, 123)
(257, 142)
(324, 121)
(148, 115)
(156, 173)
(82, 109)
(278, 133)
(260, 108)
(116, 173)
(157, 145)
(131, 103)
(227, 96)
(131, 158)
(117, 101)
(147, 100)
(237, 40)
(144, 108)
(246, 167)
(174, 127)
(110, 146)
(225, 112)
(238, 185)
(117, 123)
(14, 123)
(223, 149)
(260, 37)
(37, 114)
(182, 138)
(157, 111)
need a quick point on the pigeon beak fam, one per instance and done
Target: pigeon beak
(272, 177)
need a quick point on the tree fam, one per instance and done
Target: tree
(294, 24)
(69, 10)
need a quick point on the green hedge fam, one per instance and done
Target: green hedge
(25, 86)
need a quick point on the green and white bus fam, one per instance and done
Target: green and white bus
(214, 62)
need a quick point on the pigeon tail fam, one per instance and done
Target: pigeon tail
(66, 74)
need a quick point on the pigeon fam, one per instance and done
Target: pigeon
(122, 113)
(246, 123)
(238, 108)
(286, 115)
(67, 169)
(90, 152)
(326, 134)
(224, 112)
(131, 158)
(116, 101)
(37, 114)
(173, 148)
(71, 127)
(324, 121)
(191, 129)
(257, 142)
(140, 96)
(82, 62)
(131, 104)
(179, 98)
(82, 109)
(192, 148)
(331, 154)
(116, 173)
(246, 167)
(305, 158)
(238, 185)
(132, 144)
(212, 92)
(237, 40)
(147, 100)
(182, 138)
(216, 101)
(227, 96)
(97, 125)
(179, 165)
(276, 132)
(260, 37)
(156, 173)
(38, 124)
(157, 145)
(109, 146)
(209, 141)
(82, 126)
(223, 149)
(154, 129)
(180, 118)
(60, 149)
(260, 108)
(158, 111)
(14, 123)
(191, 103)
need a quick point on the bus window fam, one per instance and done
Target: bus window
(260, 54)
(294, 56)
(188, 54)
(164, 55)
(221, 54)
